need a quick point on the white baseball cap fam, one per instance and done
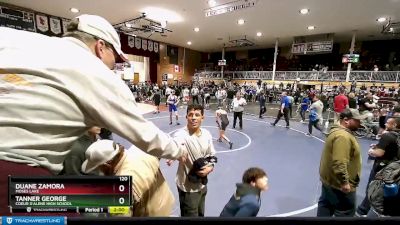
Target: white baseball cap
(102, 29)
(99, 153)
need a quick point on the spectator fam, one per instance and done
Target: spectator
(376, 68)
(246, 201)
(191, 176)
(73, 162)
(221, 96)
(262, 100)
(352, 101)
(229, 98)
(305, 103)
(315, 115)
(61, 97)
(157, 100)
(340, 103)
(238, 109)
(195, 93)
(340, 167)
(385, 152)
(150, 192)
(291, 102)
(284, 110)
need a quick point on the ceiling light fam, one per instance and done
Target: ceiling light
(189, 43)
(304, 11)
(240, 21)
(74, 10)
(381, 19)
(196, 29)
(391, 29)
(212, 3)
(160, 14)
(259, 34)
(310, 27)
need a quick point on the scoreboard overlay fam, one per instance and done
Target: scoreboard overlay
(88, 194)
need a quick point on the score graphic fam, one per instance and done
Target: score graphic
(351, 58)
(89, 194)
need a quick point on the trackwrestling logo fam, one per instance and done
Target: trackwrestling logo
(34, 220)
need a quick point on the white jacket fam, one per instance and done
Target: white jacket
(52, 90)
(238, 104)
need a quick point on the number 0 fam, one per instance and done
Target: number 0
(121, 201)
(121, 188)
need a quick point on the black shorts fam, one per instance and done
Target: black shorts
(224, 125)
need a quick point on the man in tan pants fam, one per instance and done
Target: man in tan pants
(151, 193)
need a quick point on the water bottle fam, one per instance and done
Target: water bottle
(390, 190)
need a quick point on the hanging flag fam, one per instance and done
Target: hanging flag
(131, 41)
(150, 45)
(55, 25)
(65, 23)
(144, 44)
(42, 23)
(138, 42)
(156, 47)
(176, 68)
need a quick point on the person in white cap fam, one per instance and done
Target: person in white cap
(53, 89)
(150, 192)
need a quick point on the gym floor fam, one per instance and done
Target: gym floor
(290, 158)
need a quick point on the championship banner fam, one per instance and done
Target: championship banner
(17, 19)
(138, 42)
(55, 25)
(131, 41)
(42, 23)
(150, 45)
(65, 23)
(144, 44)
(156, 47)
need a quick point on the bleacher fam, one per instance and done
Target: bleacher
(338, 76)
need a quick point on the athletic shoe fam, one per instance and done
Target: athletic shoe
(308, 134)
(359, 215)
(177, 123)
(272, 124)
(170, 123)
(301, 121)
(230, 145)
(287, 127)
